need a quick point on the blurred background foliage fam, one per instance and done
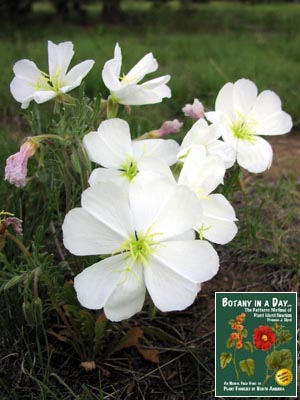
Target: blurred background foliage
(45, 334)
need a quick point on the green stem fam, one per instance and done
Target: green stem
(152, 311)
(235, 366)
(112, 108)
(21, 247)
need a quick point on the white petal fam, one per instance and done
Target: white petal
(213, 116)
(195, 260)
(110, 145)
(155, 165)
(22, 90)
(218, 231)
(41, 96)
(217, 220)
(76, 74)
(244, 95)
(27, 70)
(110, 74)
(224, 101)
(188, 235)
(145, 66)
(84, 235)
(169, 290)
(134, 95)
(163, 149)
(222, 150)
(217, 206)
(200, 173)
(128, 297)
(162, 92)
(95, 284)
(118, 53)
(107, 175)
(256, 157)
(266, 103)
(165, 208)
(59, 58)
(275, 124)
(108, 203)
(156, 82)
(200, 134)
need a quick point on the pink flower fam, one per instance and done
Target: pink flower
(195, 110)
(166, 128)
(16, 164)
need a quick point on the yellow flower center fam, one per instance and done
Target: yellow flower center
(129, 168)
(244, 129)
(264, 338)
(138, 247)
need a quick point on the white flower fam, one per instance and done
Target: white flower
(111, 146)
(126, 89)
(203, 174)
(243, 115)
(30, 83)
(207, 135)
(147, 228)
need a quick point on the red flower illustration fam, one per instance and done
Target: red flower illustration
(263, 337)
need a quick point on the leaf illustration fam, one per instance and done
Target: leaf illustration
(279, 359)
(225, 359)
(248, 366)
(248, 346)
(230, 343)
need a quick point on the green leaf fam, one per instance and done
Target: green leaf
(248, 346)
(100, 329)
(279, 359)
(13, 282)
(225, 359)
(248, 366)
(244, 333)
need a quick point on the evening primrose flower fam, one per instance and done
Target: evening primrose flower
(202, 134)
(30, 83)
(126, 89)
(202, 174)
(111, 147)
(16, 164)
(147, 229)
(243, 116)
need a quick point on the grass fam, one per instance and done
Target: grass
(45, 336)
(221, 43)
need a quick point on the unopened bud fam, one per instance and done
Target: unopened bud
(16, 164)
(195, 110)
(166, 128)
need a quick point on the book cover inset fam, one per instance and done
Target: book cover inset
(255, 344)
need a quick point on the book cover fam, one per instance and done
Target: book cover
(256, 344)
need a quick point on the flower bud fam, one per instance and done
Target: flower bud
(195, 110)
(166, 128)
(16, 164)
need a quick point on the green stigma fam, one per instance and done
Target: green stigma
(201, 231)
(138, 247)
(243, 130)
(129, 169)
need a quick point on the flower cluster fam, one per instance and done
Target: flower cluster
(153, 225)
(238, 327)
